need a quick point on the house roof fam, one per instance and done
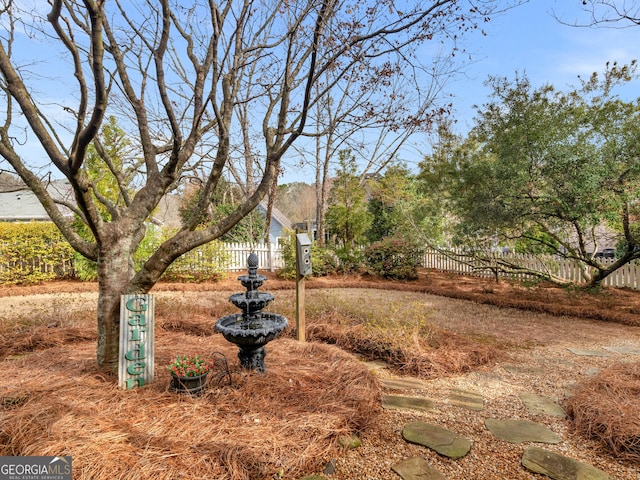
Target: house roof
(277, 215)
(21, 204)
(18, 203)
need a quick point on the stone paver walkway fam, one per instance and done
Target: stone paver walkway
(437, 438)
(541, 405)
(520, 431)
(450, 444)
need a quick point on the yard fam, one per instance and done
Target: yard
(450, 332)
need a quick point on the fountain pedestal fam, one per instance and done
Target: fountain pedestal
(252, 329)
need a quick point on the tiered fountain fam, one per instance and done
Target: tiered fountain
(252, 329)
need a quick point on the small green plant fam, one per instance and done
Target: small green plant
(393, 258)
(190, 365)
(350, 259)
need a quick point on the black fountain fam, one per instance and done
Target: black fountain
(252, 329)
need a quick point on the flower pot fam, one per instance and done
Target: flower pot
(191, 385)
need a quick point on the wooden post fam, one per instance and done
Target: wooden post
(303, 267)
(300, 317)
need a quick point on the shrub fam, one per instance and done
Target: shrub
(324, 260)
(288, 244)
(33, 252)
(86, 270)
(393, 258)
(206, 262)
(350, 259)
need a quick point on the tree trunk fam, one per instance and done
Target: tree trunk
(271, 198)
(321, 202)
(601, 273)
(115, 271)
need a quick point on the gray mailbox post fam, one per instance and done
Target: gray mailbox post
(303, 263)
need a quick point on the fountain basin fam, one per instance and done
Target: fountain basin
(252, 304)
(251, 333)
(255, 331)
(252, 282)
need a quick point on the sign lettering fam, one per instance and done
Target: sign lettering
(136, 341)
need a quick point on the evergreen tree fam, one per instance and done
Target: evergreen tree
(347, 216)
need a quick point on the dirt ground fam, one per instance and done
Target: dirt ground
(535, 342)
(609, 304)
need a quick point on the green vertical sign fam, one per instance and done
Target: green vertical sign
(135, 367)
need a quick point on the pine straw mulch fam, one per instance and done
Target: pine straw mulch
(39, 338)
(290, 418)
(287, 422)
(607, 408)
(443, 354)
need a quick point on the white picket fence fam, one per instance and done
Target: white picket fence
(626, 276)
(269, 256)
(566, 269)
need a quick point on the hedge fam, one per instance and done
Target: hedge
(33, 252)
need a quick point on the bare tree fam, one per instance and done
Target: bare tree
(298, 202)
(610, 13)
(174, 77)
(375, 114)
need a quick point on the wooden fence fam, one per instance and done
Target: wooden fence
(566, 269)
(271, 259)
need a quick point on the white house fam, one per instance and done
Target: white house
(19, 204)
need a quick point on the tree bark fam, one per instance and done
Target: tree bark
(115, 273)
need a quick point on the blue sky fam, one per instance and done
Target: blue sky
(528, 39)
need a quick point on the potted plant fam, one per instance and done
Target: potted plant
(189, 372)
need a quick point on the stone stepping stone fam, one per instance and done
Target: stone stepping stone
(625, 350)
(520, 431)
(539, 404)
(374, 365)
(466, 399)
(402, 384)
(395, 402)
(523, 369)
(443, 441)
(350, 441)
(417, 468)
(559, 467)
(330, 467)
(587, 353)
